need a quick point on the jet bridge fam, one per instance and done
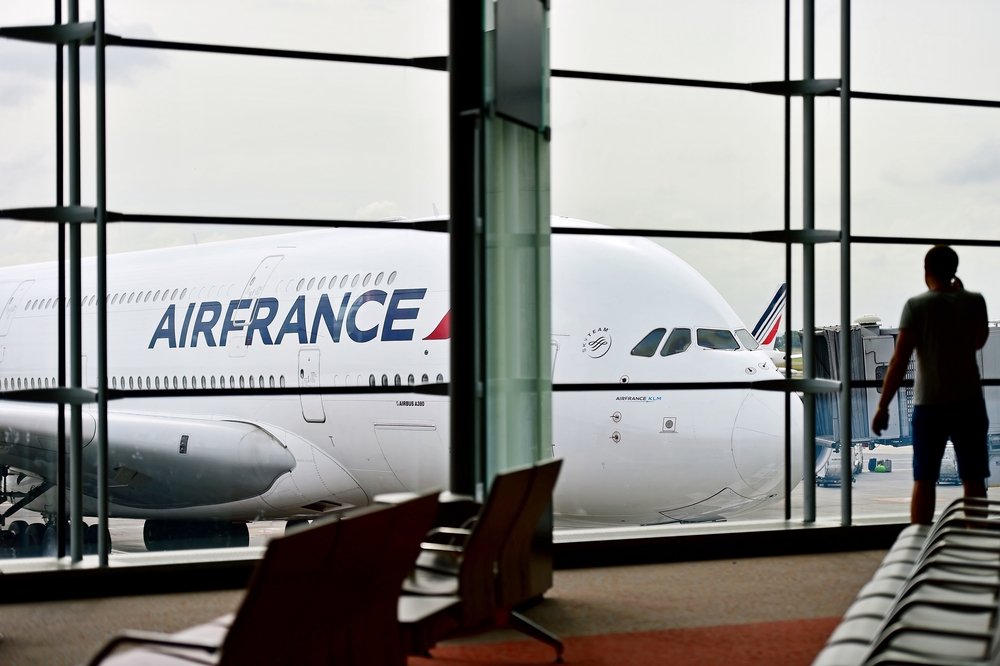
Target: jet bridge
(871, 350)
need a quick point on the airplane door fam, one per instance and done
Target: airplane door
(10, 306)
(236, 342)
(878, 352)
(312, 405)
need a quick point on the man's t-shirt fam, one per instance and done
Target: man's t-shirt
(944, 324)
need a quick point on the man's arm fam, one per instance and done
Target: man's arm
(905, 343)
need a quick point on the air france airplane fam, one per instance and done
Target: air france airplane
(371, 308)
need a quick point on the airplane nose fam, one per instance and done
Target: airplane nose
(758, 440)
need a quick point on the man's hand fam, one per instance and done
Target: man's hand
(881, 421)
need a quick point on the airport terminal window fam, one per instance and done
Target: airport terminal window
(714, 338)
(748, 340)
(679, 341)
(647, 346)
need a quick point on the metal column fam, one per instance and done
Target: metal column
(464, 226)
(788, 267)
(846, 459)
(103, 542)
(76, 338)
(808, 266)
(61, 319)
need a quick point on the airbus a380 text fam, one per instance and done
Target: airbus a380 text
(371, 307)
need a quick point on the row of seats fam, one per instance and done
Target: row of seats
(935, 599)
(331, 592)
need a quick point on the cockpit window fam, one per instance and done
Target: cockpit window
(747, 339)
(714, 338)
(648, 345)
(679, 340)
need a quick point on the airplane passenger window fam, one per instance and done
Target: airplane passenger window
(184, 381)
(440, 378)
(131, 296)
(131, 385)
(392, 277)
(271, 381)
(251, 381)
(46, 382)
(282, 381)
(385, 380)
(378, 280)
(309, 286)
(183, 294)
(747, 339)
(213, 381)
(242, 383)
(409, 380)
(148, 294)
(175, 381)
(26, 305)
(157, 382)
(18, 382)
(48, 303)
(298, 287)
(32, 382)
(232, 382)
(203, 382)
(222, 381)
(114, 382)
(138, 298)
(260, 382)
(424, 379)
(398, 382)
(149, 384)
(322, 281)
(344, 281)
(157, 295)
(679, 341)
(713, 338)
(647, 346)
(368, 278)
(354, 282)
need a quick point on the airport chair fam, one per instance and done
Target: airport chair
(320, 595)
(481, 571)
(934, 599)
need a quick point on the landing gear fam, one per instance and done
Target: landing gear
(21, 540)
(161, 535)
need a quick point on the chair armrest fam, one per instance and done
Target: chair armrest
(151, 638)
(441, 547)
(438, 534)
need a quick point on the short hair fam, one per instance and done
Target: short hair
(941, 262)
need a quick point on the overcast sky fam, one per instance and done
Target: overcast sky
(223, 135)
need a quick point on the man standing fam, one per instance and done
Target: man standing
(945, 325)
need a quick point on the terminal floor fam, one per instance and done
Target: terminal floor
(769, 610)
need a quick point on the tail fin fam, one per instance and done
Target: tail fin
(766, 328)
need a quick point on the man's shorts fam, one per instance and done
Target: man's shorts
(966, 424)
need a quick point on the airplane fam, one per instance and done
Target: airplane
(370, 307)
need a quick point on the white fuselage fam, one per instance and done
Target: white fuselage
(351, 307)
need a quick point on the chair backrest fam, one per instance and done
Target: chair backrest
(482, 547)
(375, 637)
(273, 623)
(327, 594)
(523, 573)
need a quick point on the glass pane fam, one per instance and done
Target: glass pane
(726, 41)
(633, 155)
